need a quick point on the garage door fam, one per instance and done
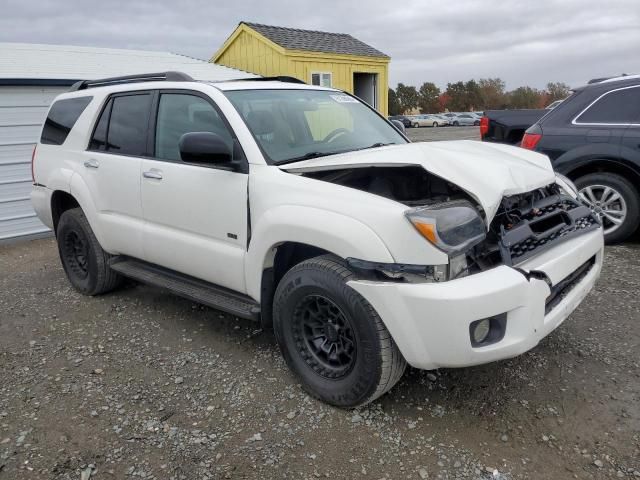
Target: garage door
(22, 112)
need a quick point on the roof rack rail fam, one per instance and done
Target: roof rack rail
(142, 77)
(606, 79)
(598, 80)
(279, 78)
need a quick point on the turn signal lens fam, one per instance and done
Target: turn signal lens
(428, 231)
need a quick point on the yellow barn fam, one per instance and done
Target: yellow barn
(320, 58)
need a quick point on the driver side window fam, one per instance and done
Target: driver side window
(180, 113)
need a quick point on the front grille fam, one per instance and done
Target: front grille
(532, 243)
(547, 222)
(562, 289)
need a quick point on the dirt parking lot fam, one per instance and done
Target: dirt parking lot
(141, 384)
(428, 134)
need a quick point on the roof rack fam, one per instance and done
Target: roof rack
(624, 76)
(279, 78)
(142, 77)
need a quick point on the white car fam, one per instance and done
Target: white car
(301, 207)
(426, 121)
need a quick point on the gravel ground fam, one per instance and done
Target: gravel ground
(141, 384)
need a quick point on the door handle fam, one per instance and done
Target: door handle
(153, 173)
(91, 163)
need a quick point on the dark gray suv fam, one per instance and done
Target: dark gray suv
(593, 137)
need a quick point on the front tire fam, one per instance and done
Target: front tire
(456, 124)
(83, 259)
(331, 337)
(416, 125)
(614, 200)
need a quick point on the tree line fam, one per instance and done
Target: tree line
(483, 94)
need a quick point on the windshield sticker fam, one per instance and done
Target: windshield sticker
(344, 99)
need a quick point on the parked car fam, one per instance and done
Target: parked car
(406, 121)
(508, 126)
(443, 121)
(465, 119)
(593, 137)
(425, 120)
(304, 209)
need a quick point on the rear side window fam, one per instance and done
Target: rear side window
(61, 119)
(616, 107)
(99, 139)
(122, 126)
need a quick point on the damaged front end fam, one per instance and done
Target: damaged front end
(529, 223)
(523, 225)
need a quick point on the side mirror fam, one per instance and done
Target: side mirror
(204, 147)
(399, 125)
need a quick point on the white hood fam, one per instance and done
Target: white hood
(487, 171)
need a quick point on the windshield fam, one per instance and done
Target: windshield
(292, 125)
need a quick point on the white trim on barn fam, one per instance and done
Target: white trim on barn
(30, 78)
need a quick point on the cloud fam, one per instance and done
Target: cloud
(523, 42)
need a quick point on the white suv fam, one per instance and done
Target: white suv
(303, 208)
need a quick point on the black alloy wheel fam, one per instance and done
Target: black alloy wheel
(324, 336)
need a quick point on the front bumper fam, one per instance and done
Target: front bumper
(430, 321)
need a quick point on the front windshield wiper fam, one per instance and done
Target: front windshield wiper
(309, 156)
(376, 145)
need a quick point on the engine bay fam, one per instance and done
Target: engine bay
(410, 185)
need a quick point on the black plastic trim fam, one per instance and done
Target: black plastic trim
(37, 82)
(392, 268)
(563, 287)
(277, 78)
(570, 228)
(141, 77)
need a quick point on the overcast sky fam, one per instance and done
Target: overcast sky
(523, 42)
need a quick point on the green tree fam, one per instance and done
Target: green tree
(472, 98)
(428, 97)
(456, 92)
(526, 97)
(407, 97)
(394, 104)
(557, 91)
(492, 95)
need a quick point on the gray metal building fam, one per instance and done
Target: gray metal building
(30, 78)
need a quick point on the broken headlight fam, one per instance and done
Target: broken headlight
(453, 227)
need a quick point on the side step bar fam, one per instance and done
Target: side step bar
(188, 287)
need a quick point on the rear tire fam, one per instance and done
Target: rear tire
(456, 124)
(331, 337)
(416, 125)
(83, 259)
(592, 189)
